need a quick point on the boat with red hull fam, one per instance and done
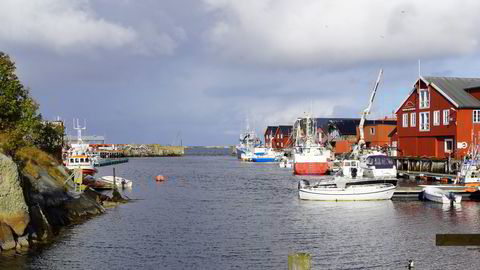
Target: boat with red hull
(310, 168)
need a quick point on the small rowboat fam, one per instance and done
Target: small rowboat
(435, 194)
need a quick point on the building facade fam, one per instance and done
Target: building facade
(439, 118)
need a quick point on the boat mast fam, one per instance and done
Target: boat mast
(79, 130)
(361, 142)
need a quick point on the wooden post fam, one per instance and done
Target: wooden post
(299, 261)
(114, 180)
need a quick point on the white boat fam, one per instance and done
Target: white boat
(435, 194)
(119, 181)
(345, 191)
(373, 165)
(285, 163)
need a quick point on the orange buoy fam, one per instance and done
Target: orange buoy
(160, 178)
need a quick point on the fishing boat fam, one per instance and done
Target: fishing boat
(345, 191)
(247, 143)
(82, 161)
(436, 194)
(309, 157)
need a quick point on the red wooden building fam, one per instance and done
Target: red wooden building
(281, 139)
(439, 118)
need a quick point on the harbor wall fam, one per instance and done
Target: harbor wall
(153, 150)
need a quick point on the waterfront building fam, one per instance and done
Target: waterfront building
(440, 117)
(269, 135)
(90, 139)
(282, 137)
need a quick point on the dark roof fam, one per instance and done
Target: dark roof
(271, 129)
(392, 132)
(285, 129)
(348, 126)
(454, 88)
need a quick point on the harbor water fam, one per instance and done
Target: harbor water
(216, 212)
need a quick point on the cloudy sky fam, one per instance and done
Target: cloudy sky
(148, 71)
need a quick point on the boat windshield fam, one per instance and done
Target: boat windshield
(380, 162)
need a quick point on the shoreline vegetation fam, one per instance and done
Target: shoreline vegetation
(34, 201)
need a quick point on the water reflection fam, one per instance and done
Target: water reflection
(219, 213)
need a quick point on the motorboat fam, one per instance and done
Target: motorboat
(436, 194)
(375, 165)
(345, 191)
(285, 163)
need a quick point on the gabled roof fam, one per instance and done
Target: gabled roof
(454, 90)
(271, 130)
(392, 133)
(285, 129)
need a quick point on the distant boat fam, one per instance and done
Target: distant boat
(344, 191)
(435, 194)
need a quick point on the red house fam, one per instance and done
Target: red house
(439, 118)
(278, 137)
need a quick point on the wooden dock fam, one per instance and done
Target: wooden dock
(110, 161)
(413, 193)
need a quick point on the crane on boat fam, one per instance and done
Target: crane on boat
(361, 142)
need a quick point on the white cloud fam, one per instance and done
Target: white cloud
(73, 25)
(312, 32)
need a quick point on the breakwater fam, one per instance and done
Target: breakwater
(143, 150)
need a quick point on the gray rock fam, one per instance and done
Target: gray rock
(13, 209)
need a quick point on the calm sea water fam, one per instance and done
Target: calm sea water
(216, 212)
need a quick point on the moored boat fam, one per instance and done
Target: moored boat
(310, 157)
(344, 191)
(81, 161)
(436, 194)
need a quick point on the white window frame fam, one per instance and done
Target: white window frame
(436, 118)
(446, 150)
(405, 120)
(424, 98)
(424, 126)
(413, 119)
(372, 130)
(476, 116)
(446, 117)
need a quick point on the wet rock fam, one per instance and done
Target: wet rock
(7, 240)
(13, 209)
(23, 241)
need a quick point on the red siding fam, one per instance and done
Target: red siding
(413, 142)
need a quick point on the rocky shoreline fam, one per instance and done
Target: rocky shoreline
(35, 204)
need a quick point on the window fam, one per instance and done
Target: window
(476, 116)
(436, 118)
(424, 98)
(446, 117)
(281, 136)
(281, 144)
(372, 131)
(448, 145)
(413, 119)
(405, 120)
(424, 121)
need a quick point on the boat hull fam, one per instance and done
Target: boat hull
(264, 159)
(352, 193)
(310, 168)
(439, 196)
